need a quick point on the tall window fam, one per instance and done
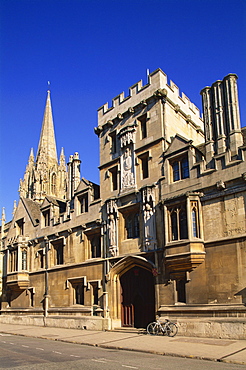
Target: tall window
(95, 293)
(143, 126)
(96, 246)
(20, 226)
(113, 142)
(13, 265)
(194, 217)
(178, 223)
(180, 168)
(132, 226)
(46, 217)
(58, 249)
(59, 255)
(181, 291)
(114, 178)
(83, 203)
(40, 255)
(24, 260)
(144, 165)
(79, 293)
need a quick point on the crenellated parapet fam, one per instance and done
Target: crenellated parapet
(139, 95)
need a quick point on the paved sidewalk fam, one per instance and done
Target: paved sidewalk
(224, 350)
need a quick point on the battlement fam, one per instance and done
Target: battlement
(138, 93)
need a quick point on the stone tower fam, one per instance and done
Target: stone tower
(222, 118)
(45, 176)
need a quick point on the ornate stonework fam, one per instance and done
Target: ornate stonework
(148, 197)
(112, 227)
(127, 140)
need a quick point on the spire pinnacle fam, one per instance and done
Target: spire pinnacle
(47, 145)
(31, 156)
(3, 219)
(62, 160)
(14, 208)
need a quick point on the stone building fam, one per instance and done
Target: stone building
(163, 234)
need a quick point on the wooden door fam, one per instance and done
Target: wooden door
(137, 298)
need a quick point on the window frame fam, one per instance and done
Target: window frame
(195, 224)
(79, 297)
(83, 201)
(46, 217)
(178, 225)
(132, 227)
(143, 126)
(179, 167)
(24, 260)
(41, 258)
(114, 178)
(95, 249)
(58, 251)
(13, 260)
(184, 219)
(113, 142)
(144, 159)
(20, 227)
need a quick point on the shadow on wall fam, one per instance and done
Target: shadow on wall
(243, 294)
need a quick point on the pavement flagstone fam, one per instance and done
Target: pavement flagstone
(232, 351)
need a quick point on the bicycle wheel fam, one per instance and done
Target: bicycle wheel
(152, 328)
(172, 329)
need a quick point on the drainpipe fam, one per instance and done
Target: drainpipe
(46, 292)
(105, 270)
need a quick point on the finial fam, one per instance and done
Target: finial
(14, 209)
(3, 219)
(31, 156)
(62, 156)
(48, 83)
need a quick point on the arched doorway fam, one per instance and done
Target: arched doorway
(137, 297)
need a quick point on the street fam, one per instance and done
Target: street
(34, 353)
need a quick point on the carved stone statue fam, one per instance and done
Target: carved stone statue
(111, 227)
(149, 220)
(111, 231)
(127, 170)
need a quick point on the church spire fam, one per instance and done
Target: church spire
(45, 176)
(47, 153)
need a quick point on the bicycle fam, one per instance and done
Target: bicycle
(166, 328)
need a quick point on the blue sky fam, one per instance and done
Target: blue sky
(93, 50)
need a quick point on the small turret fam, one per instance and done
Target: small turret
(73, 174)
(14, 208)
(62, 160)
(221, 117)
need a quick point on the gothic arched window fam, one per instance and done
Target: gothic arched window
(24, 260)
(194, 217)
(178, 223)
